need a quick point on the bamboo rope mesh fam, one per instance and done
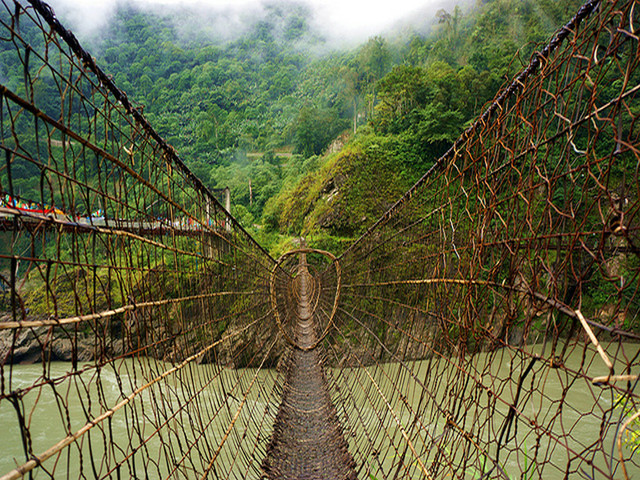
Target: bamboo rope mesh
(484, 327)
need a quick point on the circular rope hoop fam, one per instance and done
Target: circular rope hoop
(274, 299)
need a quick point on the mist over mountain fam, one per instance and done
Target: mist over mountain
(340, 24)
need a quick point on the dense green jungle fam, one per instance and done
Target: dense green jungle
(313, 140)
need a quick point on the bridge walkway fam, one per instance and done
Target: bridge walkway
(307, 441)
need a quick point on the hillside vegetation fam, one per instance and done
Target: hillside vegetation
(311, 140)
(438, 84)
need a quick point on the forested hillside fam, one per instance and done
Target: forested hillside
(262, 113)
(438, 83)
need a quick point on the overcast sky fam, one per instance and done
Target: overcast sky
(347, 20)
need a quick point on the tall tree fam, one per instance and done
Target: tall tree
(374, 60)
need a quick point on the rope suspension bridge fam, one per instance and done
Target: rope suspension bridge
(486, 326)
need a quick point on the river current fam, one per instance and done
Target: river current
(42, 410)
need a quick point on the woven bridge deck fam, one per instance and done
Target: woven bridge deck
(307, 440)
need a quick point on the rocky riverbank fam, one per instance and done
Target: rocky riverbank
(30, 345)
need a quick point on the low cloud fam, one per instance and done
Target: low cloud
(83, 17)
(341, 22)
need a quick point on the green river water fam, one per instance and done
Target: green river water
(581, 412)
